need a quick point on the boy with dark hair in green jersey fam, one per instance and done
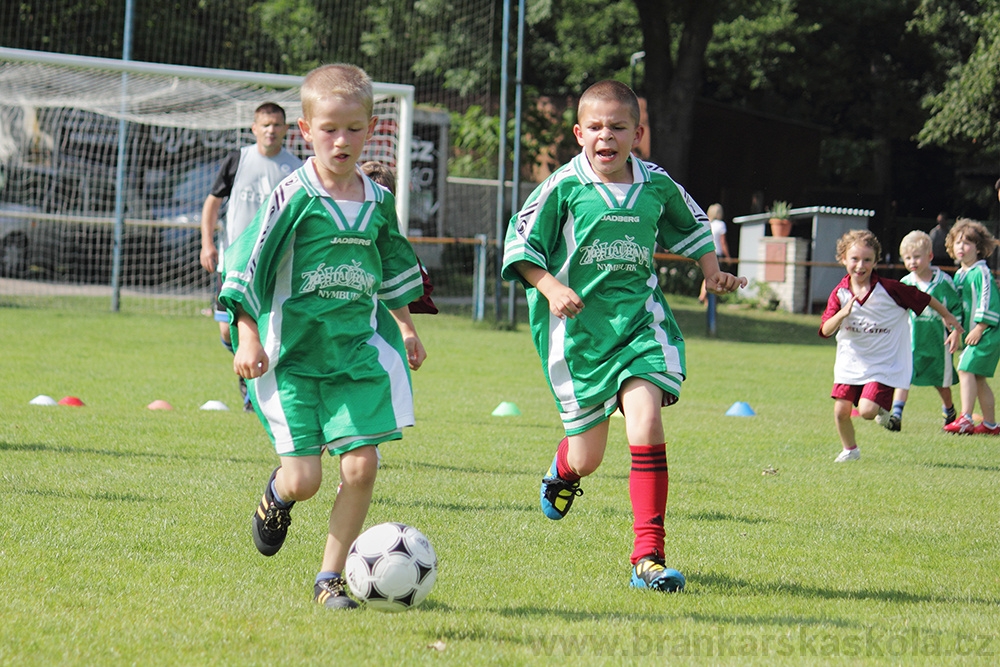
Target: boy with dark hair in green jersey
(586, 237)
(317, 289)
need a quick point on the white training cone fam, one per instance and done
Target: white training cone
(42, 399)
(740, 409)
(214, 405)
(506, 409)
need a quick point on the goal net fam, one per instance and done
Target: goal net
(64, 121)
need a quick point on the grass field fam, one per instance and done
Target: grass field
(126, 533)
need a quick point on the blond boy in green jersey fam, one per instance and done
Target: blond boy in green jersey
(933, 364)
(317, 288)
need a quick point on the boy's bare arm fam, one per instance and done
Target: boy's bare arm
(563, 301)
(950, 321)
(716, 280)
(415, 352)
(209, 219)
(250, 360)
(831, 325)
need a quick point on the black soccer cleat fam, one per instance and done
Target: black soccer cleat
(331, 594)
(270, 522)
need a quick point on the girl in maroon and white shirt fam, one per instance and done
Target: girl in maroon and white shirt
(870, 316)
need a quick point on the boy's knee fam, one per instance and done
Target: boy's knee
(842, 409)
(868, 412)
(299, 484)
(586, 467)
(359, 467)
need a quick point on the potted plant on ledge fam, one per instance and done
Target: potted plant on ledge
(781, 224)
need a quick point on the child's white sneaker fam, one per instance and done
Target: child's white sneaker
(882, 418)
(848, 455)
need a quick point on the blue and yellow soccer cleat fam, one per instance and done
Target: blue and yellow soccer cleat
(557, 494)
(650, 573)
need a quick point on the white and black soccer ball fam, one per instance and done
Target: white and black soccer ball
(391, 566)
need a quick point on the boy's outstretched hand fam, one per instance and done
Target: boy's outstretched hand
(724, 283)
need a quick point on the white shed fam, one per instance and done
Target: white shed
(794, 266)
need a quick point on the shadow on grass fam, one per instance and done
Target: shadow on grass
(744, 325)
(69, 449)
(721, 516)
(105, 496)
(388, 463)
(963, 466)
(720, 619)
(491, 507)
(737, 323)
(884, 595)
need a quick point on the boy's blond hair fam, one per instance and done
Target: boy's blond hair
(715, 212)
(339, 80)
(971, 230)
(611, 91)
(916, 242)
(861, 237)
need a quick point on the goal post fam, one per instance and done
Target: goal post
(59, 120)
(403, 93)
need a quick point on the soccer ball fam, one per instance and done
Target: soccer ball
(391, 566)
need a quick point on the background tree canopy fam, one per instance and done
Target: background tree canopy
(904, 93)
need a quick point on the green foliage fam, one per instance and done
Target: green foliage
(474, 141)
(573, 44)
(967, 109)
(295, 26)
(751, 44)
(780, 209)
(474, 144)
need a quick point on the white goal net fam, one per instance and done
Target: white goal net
(61, 123)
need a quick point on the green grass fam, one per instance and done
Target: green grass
(125, 531)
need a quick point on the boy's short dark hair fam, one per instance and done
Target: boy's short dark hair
(612, 91)
(271, 109)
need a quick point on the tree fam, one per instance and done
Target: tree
(672, 86)
(965, 110)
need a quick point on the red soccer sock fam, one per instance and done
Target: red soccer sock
(562, 463)
(647, 487)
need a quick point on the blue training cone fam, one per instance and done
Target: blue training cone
(740, 409)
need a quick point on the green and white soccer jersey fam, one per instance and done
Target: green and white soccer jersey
(933, 365)
(599, 240)
(319, 276)
(980, 303)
